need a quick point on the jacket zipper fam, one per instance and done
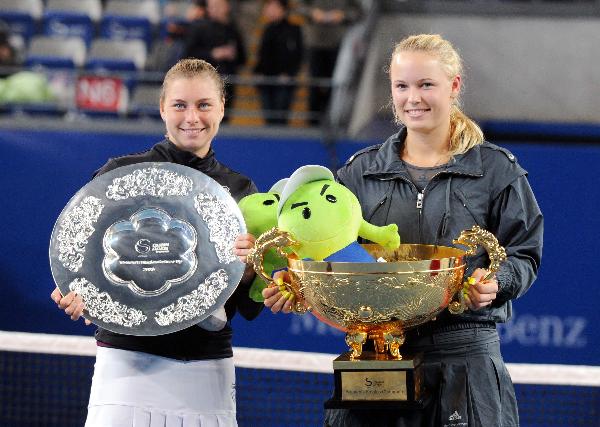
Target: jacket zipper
(420, 196)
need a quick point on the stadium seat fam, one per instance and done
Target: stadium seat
(144, 102)
(71, 18)
(21, 16)
(124, 20)
(56, 52)
(116, 55)
(148, 9)
(91, 8)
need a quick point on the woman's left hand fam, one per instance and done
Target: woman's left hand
(241, 247)
(481, 293)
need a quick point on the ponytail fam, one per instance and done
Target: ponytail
(464, 132)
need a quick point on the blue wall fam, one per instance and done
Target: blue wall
(554, 323)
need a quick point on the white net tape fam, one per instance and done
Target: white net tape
(256, 358)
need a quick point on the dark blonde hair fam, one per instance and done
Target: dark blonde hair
(190, 68)
(464, 132)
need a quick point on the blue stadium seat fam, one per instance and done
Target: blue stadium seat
(116, 55)
(125, 28)
(90, 8)
(21, 16)
(61, 24)
(67, 18)
(56, 52)
(125, 20)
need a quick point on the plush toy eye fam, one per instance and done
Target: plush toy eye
(306, 213)
(331, 198)
(268, 202)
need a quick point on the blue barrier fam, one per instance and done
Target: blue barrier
(554, 323)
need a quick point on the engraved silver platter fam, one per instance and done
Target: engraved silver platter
(149, 247)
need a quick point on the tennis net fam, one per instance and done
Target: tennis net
(45, 381)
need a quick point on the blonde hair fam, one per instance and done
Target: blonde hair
(190, 68)
(464, 132)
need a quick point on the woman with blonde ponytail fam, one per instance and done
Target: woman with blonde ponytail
(435, 178)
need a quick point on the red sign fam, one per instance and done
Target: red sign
(101, 93)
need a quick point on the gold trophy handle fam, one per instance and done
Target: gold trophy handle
(472, 238)
(273, 239)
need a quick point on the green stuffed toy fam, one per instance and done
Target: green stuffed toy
(26, 87)
(260, 214)
(325, 219)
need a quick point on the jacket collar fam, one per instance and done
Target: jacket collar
(387, 163)
(186, 158)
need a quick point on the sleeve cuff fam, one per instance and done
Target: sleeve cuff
(504, 278)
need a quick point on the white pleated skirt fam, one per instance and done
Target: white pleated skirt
(133, 389)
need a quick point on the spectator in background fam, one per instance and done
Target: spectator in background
(328, 20)
(217, 40)
(279, 57)
(195, 14)
(8, 52)
(171, 49)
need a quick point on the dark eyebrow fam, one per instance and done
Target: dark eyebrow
(296, 205)
(276, 196)
(325, 187)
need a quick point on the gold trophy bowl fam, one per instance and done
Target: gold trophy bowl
(380, 300)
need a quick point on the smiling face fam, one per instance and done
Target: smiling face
(323, 216)
(422, 92)
(192, 109)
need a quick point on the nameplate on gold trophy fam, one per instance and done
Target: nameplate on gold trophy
(374, 385)
(376, 380)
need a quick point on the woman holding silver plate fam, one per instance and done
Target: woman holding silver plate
(185, 377)
(435, 178)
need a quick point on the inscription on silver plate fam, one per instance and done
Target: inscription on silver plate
(140, 260)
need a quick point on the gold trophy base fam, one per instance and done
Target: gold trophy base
(377, 381)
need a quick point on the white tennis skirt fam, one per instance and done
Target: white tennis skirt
(133, 389)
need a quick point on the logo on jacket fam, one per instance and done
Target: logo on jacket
(454, 416)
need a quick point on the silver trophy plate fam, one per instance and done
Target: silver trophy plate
(149, 247)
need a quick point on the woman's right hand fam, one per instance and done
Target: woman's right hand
(275, 299)
(71, 303)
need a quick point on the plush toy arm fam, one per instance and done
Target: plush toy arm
(387, 236)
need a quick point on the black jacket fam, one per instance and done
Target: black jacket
(204, 35)
(193, 343)
(281, 49)
(484, 186)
